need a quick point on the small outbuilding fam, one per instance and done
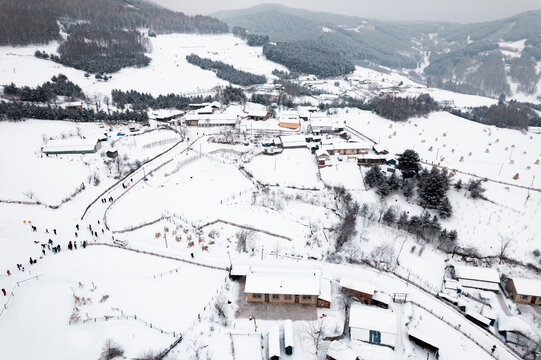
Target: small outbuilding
(289, 121)
(381, 299)
(258, 115)
(372, 325)
(274, 342)
(291, 141)
(339, 351)
(362, 290)
(478, 277)
(325, 295)
(424, 341)
(288, 337)
(524, 291)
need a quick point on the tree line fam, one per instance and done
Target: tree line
(48, 91)
(36, 22)
(251, 39)
(309, 57)
(20, 110)
(227, 72)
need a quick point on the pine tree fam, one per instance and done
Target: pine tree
(374, 176)
(408, 187)
(403, 220)
(389, 216)
(409, 163)
(445, 210)
(394, 183)
(383, 189)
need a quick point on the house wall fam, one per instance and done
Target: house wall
(323, 304)
(289, 125)
(363, 297)
(520, 298)
(359, 334)
(282, 299)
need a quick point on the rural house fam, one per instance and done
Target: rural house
(372, 325)
(289, 120)
(258, 115)
(71, 146)
(524, 291)
(286, 286)
(348, 148)
(478, 277)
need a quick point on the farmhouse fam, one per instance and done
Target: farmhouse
(363, 291)
(209, 120)
(258, 115)
(339, 351)
(285, 286)
(289, 120)
(525, 291)
(348, 148)
(477, 277)
(75, 105)
(291, 141)
(71, 146)
(372, 325)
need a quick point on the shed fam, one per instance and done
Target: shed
(424, 340)
(322, 157)
(289, 120)
(362, 290)
(274, 342)
(339, 351)
(380, 150)
(372, 325)
(288, 337)
(325, 295)
(477, 318)
(525, 291)
(293, 141)
(258, 115)
(381, 299)
(478, 277)
(71, 146)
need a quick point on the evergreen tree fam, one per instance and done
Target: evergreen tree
(383, 189)
(445, 210)
(403, 220)
(408, 187)
(432, 187)
(374, 176)
(458, 185)
(409, 163)
(389, 216)
(393, 182)
(476, 189)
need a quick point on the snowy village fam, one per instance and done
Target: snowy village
(163, 212)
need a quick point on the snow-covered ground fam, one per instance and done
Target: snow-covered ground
(168, 72)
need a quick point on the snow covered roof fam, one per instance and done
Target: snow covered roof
(292, 139)
(70, 145)
(478, 317)
(477, 273)
(357, 285)
(321, 152)
(282, 281)
(240, 269)
(381, 297)
(258, 113)
(530, 287)
(513, 323)
(350, 145)
(325, 289)
(339, 351)
(423, 337)
(274, 341)
(489, 313)
(288, 333)
(289, 117)
(372, 318)
(379, 148)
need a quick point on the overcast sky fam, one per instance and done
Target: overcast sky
(442, 10)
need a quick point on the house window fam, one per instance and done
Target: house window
(287, 297)
(375, 337)
(307, 297)
(256, 296)
(275, 296)
(524, 297)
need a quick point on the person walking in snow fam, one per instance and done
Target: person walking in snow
(31, 261)
(75, 245)
(76, 234)
(43, 251)
(77, 227)
(4, 292)
(84, 244)
(54, 231)
(9, 273)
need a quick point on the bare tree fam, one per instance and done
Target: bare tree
(314, 330)
(243, 236)
(505, 241)
(111, 350)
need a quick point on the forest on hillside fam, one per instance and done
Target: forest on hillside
(36, 22)
(227, 72)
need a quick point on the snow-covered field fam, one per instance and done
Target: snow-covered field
(168, 72)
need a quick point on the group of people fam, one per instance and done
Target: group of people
(104, 200)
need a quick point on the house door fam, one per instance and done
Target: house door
(296, 299)
(266, 297)
(375, 337)
(534, 298)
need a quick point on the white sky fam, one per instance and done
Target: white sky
(462, 11)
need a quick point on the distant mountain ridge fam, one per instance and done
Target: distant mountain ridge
(487, 58)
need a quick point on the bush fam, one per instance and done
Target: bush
(111, 350)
